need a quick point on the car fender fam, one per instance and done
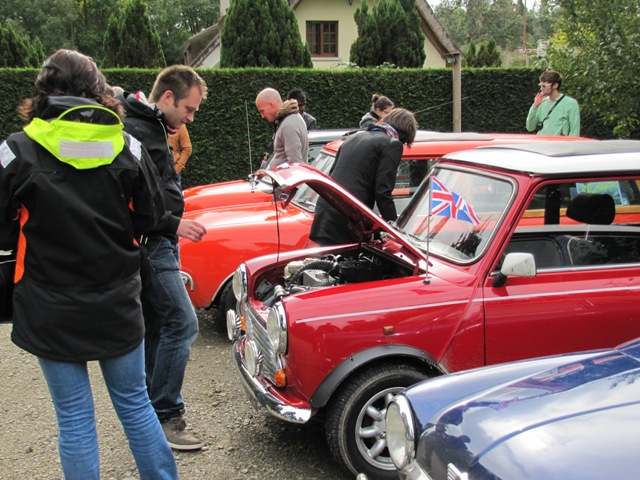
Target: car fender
(357, 361)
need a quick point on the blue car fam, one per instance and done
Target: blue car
(573, 416)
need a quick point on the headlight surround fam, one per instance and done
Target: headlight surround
(239, 283)
(277, 328)
(400, 432)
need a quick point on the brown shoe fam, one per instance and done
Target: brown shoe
(178, 437)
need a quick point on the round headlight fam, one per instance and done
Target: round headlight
(252, 358)
(400, 432)
(239, 283)
(277, 328)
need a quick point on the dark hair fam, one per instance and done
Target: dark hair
(551, 76)
(404, 122)
(68, 73)
(380, 102)
(299, 95)
(180, 79)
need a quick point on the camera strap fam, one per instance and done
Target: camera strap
(551, 109)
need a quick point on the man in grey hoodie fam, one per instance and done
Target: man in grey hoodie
(290, 140)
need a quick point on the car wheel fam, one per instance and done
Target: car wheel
(227, 302)
(355, 424)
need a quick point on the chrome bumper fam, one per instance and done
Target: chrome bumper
(261, 396)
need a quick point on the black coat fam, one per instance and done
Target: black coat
(147, 125)
(366, 165)
(77, 287)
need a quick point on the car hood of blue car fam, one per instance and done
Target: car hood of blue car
(575, 419)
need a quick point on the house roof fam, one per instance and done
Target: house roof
(200, 45)
(441, 40)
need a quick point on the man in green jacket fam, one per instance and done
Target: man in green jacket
(552, 112)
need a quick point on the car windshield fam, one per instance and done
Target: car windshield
(306, 197)
(455, 213)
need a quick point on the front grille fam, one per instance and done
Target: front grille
(256, 330)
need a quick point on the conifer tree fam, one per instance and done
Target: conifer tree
(390, 33)
(366, 47)
(15, 51)
(262, 33)
(111, 42)
(485, 55)
(132, 41)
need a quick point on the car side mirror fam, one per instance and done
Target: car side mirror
(515, 265)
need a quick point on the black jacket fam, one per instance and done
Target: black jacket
(367, 166)
(77, 281)
(368, 118)
(146, 123)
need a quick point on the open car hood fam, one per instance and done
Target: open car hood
(364, 221)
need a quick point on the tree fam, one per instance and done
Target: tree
(80, 24)
(391, 33)
(177, 20)
(482, 20)
(15, 50)
(89, 23)
(486, 55)
(367, 46)
(50, 20)
(111, 42)
(597, 59)
(132, 41)
(262, 33)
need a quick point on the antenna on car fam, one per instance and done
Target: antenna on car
(426, 276)
(246, 109)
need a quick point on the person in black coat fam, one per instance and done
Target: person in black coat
(366, 165)
(380, 106)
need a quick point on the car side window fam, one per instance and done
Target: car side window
(410, 175)
(581, 224)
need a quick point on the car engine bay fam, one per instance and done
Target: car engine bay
(330, 270)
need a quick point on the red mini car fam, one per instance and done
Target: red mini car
(503, 253)
(250, 222)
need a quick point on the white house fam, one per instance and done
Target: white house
(328, 27)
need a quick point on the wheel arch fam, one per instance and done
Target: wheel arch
(368, 358)
(215, 301)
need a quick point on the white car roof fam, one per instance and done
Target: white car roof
(557, 158)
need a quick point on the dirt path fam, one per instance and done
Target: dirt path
(240, 442)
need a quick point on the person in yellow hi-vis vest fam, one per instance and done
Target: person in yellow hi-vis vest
(80, 189)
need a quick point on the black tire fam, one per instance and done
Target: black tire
(227, 302)
(356, 438)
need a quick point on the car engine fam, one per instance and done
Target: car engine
(330, 270)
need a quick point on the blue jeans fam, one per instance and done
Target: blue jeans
(124, 376)
(172, 327)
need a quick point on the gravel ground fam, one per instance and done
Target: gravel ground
(241, 443)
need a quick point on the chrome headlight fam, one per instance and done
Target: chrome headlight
(239, 283)
(252, 358)
(277, 328)
(400, 432)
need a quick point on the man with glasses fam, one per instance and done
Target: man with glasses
(552, 112)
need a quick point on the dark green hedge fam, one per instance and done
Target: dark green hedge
(228, 129)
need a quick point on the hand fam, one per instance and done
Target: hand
(539, 98)
(191, 230)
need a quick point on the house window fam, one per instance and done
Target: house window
(322, 38)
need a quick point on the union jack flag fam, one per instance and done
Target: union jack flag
(447, 203)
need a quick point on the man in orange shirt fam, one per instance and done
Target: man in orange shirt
(181, 147)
